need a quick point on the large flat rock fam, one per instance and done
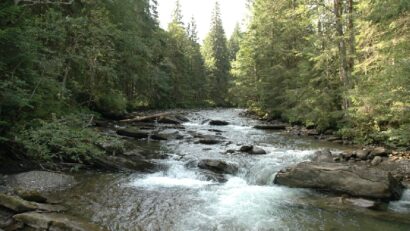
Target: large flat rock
(354, 180)
(40, 181)
(19, 205)
(54, 222)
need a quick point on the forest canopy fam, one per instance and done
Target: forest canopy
(340, 65)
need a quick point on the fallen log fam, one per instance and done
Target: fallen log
(148, 118)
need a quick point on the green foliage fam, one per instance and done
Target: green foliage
(216, 57)
(301, 62)
(67, 139)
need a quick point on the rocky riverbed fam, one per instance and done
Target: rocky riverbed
(213, 170)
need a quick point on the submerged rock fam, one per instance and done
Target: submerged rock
(363, 203)
(218, 123)
(55, 222)
(354, 180)
(218, 166)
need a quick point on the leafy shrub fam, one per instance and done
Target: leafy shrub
(114, 103)
(66, 139)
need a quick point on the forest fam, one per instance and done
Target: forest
(341, 66)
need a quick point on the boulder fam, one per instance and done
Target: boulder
(362, 154)
(19, 205)
(312, 132)
(54, 222)
(210, 140)
(169, 120)
(134, 133)
(122, 163)
(34, 196)
(167, 134)
(376, 161)
(6, 218)
(218, 123)
(323, 156)
(40, 181)
(213, 176)
(250, 149)
(246, 148)
(257, 151)
(346, 155)
(380, 151)
(218, 166)
(271, 127)
(354, 180)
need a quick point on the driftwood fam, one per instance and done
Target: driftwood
(147, 118)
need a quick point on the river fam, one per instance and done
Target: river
(180, 197)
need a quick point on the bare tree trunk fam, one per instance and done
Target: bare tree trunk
(343, 67)
(352, 41)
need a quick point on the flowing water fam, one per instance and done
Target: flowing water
(181, 196)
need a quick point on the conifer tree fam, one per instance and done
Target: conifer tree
(216, 55)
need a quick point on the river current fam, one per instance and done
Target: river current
(179, 196)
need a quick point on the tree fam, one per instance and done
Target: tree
(216, 55)
(233, 43)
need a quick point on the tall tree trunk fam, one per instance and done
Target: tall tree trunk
(343, 67)
(352, 42)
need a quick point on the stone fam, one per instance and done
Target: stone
(6, 217)
(363, 203)
(230, 151)
(213, 176)
(209, 140)
(218, 166)
(376, 161)
(346, 155)
(122, 163)
(167, 134)
(362, 154)
(354, 180)
(323, 156)
(169, 120)
(40, 181)
(134, 133)
(55, 222)
(312, 132)
(257, 151)
(34, 196)
(271, 127)
(215, 130)
(218, 123)
(20, 205)
(246, 148)
(379, 151)
(253, 150)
